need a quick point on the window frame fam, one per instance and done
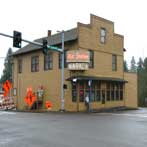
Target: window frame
(35, 65)
(91, 59)
(103, 36)
(114, 62)
(48, 60)
(74, 92)
(19, 66)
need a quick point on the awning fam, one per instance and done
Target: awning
(94, 78)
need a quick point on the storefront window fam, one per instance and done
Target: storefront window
(112, 92)
(117, 92)
(98, 91)
(74, 92)
(121, 91)
(108, 92)
(98, 95)
(121, 95)
(81, 91)
(92, 96)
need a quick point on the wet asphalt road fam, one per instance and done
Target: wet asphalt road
(125, 129)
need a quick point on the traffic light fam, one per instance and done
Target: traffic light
(44, 48)
(16, 39)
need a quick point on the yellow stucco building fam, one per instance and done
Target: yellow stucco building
(101, 77)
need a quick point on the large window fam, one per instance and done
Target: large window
(19, 65)
(48, 61)
(81, 91)
(103, 35)
(91, 63)
(98, 91)
(108, 91)
(121, 91)
(117, 91)
(35, 64)
(74, 92)
(114, 91)
(114, 62)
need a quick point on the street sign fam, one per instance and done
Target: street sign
(55, 48)
(6, 86)
(30, 97)
(89, 82)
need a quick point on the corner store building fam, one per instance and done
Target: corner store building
(110, 85)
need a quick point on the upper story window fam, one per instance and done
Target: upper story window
(48, 61)
(114, 62)
(35, 64)
(19, 65)
(103, 35)
(91, 63)
(60, 59)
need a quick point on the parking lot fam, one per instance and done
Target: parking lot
(122, 129)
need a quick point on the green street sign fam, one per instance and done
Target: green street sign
(54, 48)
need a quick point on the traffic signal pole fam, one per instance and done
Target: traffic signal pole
(55, 49)
(35, 43)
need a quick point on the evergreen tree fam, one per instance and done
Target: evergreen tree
(133, 65)
(142, 82)
(140, 65)
(126, 66)
(7, 72)
(145, 64)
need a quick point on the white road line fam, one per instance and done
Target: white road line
(128, 114)
(3, 113)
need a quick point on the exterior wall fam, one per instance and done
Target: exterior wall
(103, 66)
(89, 39)
(131, 90)
(50, 79)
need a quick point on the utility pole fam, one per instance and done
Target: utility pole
(62, 73)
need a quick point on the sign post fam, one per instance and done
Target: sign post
(90, 91)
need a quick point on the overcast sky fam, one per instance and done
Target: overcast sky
(34, 17)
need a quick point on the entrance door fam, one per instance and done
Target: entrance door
(103, 97)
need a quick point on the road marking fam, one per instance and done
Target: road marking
(129, 114)
(3, 113)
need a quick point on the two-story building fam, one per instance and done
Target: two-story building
(94, 56)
